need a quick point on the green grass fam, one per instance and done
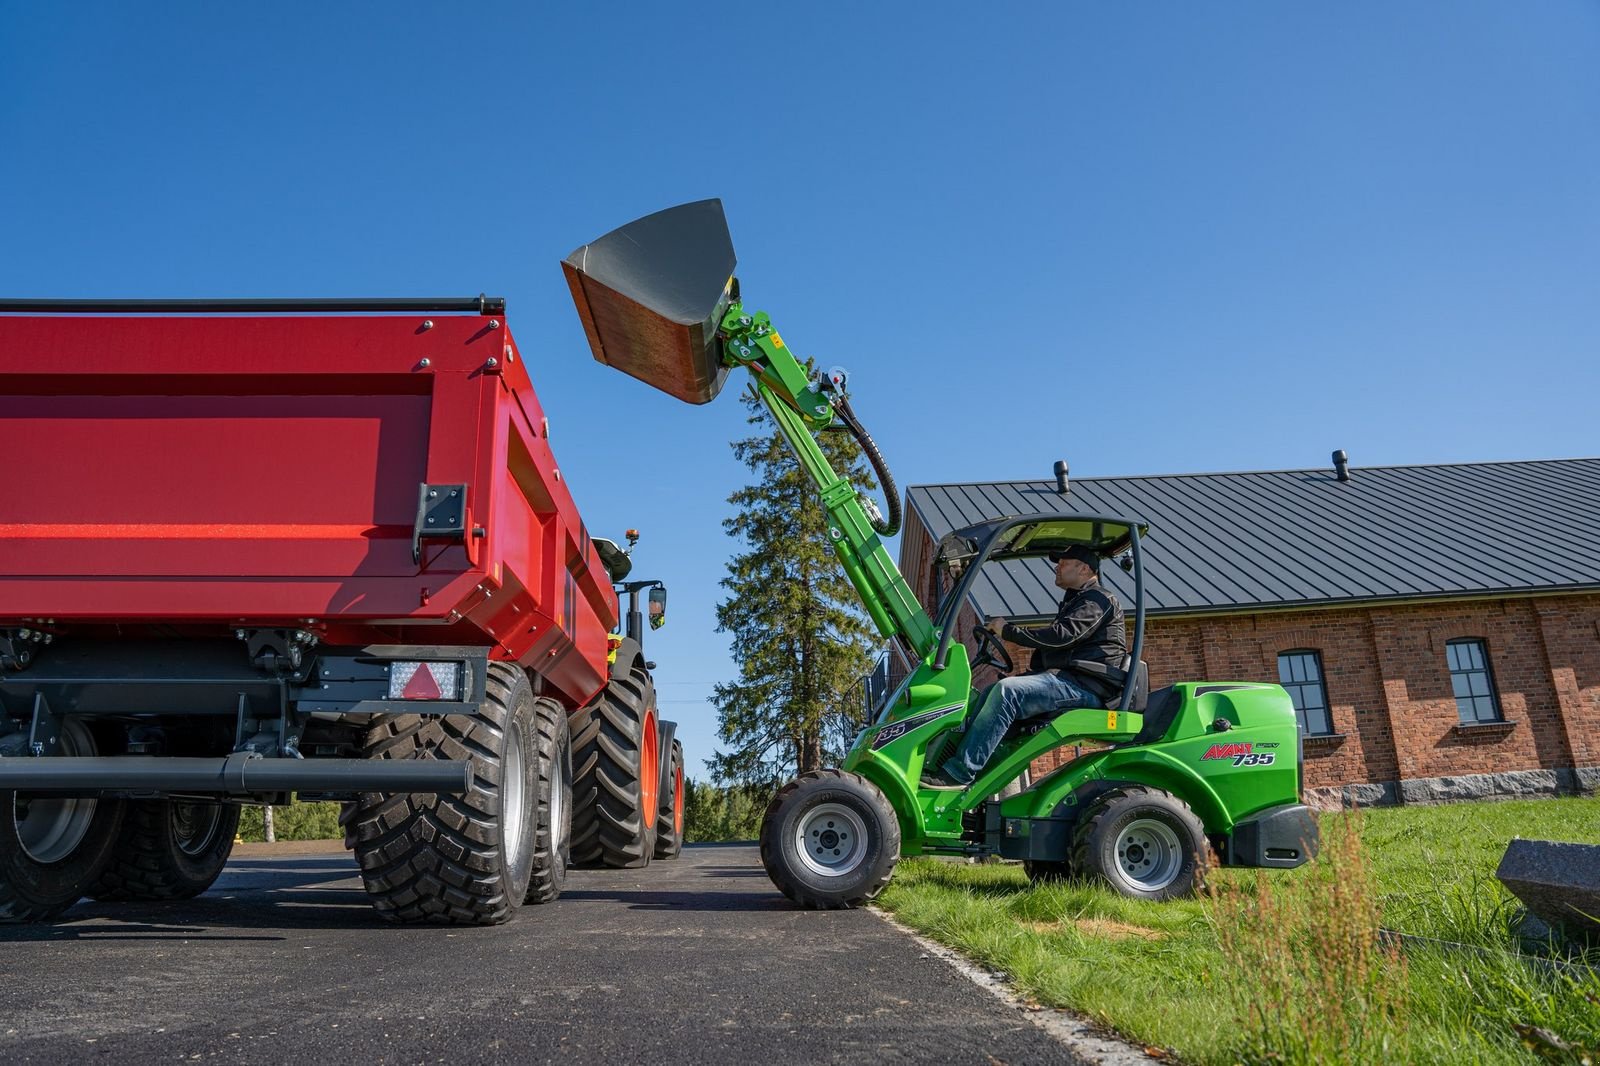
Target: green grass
(297, 821)
(1285, 966)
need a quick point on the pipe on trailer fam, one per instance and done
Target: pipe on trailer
(235, 775)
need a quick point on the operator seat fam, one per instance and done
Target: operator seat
(1138, 678)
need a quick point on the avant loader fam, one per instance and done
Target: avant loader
(256, 550)
(1188, 774)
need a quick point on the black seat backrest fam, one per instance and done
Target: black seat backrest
(1140, 681)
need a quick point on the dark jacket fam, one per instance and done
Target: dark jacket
(1088, 626)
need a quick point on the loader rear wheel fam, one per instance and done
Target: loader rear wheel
(464, 859)
(616, 774)
(669, 823)
(170, 849)
(830, 840)
(1142, 842)
(52, 848)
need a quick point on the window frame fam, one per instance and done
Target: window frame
(1493, 693)
(1294, 688)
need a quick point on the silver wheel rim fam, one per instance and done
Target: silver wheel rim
(511, 794)
(1149, 855)
(195, 825)
(51, 828)
(831, 840)
(558, 807)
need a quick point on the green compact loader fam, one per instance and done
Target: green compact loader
(1189, 774)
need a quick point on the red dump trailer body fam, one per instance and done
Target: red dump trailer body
(260, 549)
(237, 471)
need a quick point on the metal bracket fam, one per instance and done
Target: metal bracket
(441, 515)
(18, 646)
(277, 651)
(45, 736)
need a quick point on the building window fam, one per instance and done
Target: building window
(1300, 672)
(1472, 681)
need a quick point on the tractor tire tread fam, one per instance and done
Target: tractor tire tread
(609, 826)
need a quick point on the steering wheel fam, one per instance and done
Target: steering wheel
(991, 650)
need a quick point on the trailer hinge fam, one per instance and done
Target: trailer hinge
(441, 516)
(18, 647)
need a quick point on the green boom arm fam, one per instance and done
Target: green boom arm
(800, 409)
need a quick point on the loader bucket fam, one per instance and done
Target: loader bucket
(652, 294)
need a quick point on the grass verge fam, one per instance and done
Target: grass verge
(1289, 966)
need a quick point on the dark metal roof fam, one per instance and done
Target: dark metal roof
(1292, 538)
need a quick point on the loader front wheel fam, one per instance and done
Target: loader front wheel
(1142, 842)
(616, 762)
(669, 823)
(830, 840)
(466, 859)
(170, 850)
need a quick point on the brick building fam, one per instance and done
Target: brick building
(1437, 626)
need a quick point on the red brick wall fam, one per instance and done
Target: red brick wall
(1388, 682)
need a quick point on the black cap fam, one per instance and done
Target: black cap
(1084, 555)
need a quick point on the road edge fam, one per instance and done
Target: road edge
(1087, 1043)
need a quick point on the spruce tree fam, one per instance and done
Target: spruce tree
(799, 635)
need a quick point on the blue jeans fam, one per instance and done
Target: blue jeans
(1009, 700)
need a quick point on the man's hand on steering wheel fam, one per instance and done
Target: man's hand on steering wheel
(991, 649)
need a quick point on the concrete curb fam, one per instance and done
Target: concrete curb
(1088, 1044)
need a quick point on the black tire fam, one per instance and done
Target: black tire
(669, 823)
(1046, 872)
(170, 849)
(1142, 842)
(829, 807)
(455, 859)
(553, 846)
(52, 848)
(614, 750)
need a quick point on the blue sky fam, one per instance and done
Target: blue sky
(1146, 238)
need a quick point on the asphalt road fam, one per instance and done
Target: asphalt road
(695, 960)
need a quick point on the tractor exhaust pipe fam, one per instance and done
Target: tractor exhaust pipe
(652, 294)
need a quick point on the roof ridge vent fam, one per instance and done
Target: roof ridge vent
(1062, 484)
(1341, 465)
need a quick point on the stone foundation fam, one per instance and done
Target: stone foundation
(1512, 784)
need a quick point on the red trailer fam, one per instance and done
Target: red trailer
(262, 548)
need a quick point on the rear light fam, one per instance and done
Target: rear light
(424, 681)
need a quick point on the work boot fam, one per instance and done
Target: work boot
(940, 779)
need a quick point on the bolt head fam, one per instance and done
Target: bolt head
(492, 361)
(425, 362)
(494, 323)
(427, 323)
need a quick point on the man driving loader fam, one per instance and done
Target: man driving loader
(1088, 628)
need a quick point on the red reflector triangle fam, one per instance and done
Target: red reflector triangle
(422, 686)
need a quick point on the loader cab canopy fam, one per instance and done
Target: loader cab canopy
(962, 553)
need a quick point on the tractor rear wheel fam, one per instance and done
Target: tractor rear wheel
(669, 823)
(830, 840)
(465, 859)
(170, 849)
(1143, 842)
(52, 848)
(616, 763)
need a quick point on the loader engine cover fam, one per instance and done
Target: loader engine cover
(652, 294)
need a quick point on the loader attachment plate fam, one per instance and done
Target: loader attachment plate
(652, 294)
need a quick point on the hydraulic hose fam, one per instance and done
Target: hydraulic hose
(891, 494)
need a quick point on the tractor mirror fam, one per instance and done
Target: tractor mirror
(652, 294)
(658, 607)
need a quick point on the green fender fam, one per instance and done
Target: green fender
(1140, 766)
